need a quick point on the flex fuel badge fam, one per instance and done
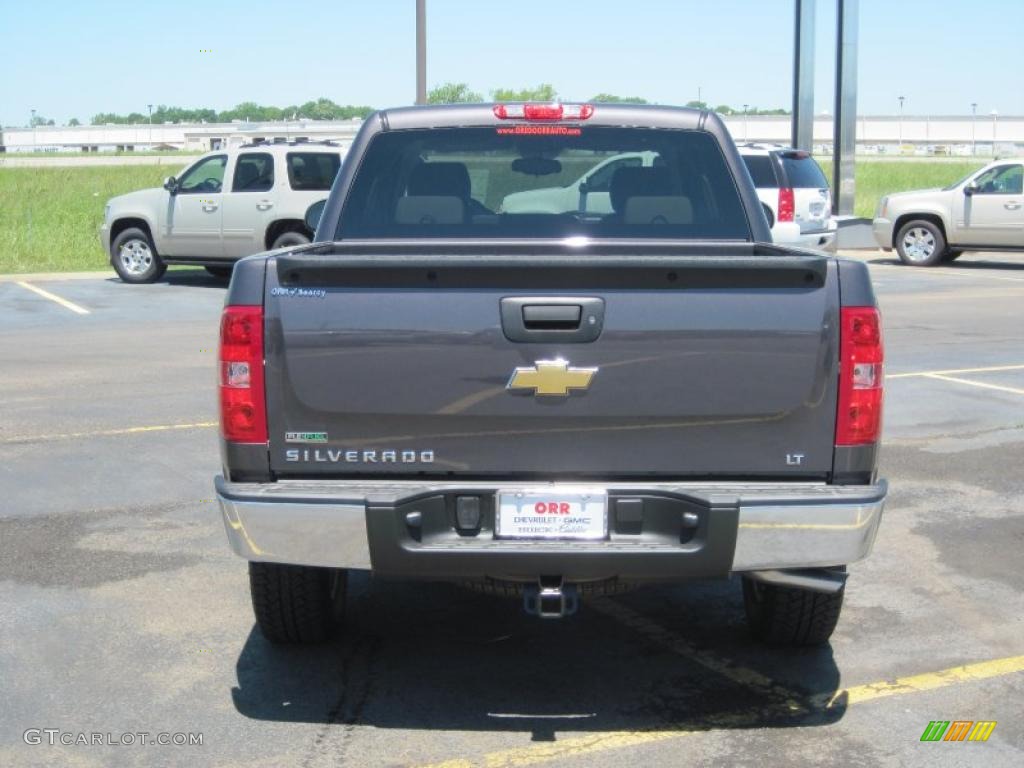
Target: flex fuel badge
(305, 437)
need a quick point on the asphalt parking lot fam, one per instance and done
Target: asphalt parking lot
(123, 611)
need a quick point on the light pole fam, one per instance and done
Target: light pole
(901, 99)
(974, 133)
(150, 108)
(745, 122)
(33, 124)
(421, 51)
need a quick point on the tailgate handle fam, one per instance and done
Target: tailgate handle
(558, 319)
(552, 317)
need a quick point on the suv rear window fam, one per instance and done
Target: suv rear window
(762, 171)
(802, 171)
(528, 181)
(312, 171)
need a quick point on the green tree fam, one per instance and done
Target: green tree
(611, 98)
(39, 120)
(73, 121)
(725, 109)
(453, 93)
(543, 92)
(696, 104)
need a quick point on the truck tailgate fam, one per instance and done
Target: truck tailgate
(699, 365)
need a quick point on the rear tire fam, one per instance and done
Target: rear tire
(288, 239)
(221, 272)
(297, 604)
(789, 616)
(134, 258)
(920, 243)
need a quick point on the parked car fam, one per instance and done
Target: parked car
(197, 218)
(548, 405)
(982, 211)
(590, 195)
(793, 190)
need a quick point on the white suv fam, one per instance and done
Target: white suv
(227, 204)
(793, 190)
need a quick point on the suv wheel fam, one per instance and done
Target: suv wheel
(952, 255)
(790, 616)
(920, 243)
(288, 239)
(297, 604)
(134, 258)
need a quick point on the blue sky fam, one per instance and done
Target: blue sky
(74, 59)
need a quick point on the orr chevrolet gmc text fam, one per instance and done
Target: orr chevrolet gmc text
(549, 398)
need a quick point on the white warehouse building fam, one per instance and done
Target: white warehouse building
(984, 135)
(193, 137)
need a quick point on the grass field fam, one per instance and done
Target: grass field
(49, 216)
(881, 177)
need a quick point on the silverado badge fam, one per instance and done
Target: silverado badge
(550, 377)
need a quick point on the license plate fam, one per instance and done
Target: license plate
(559, 512)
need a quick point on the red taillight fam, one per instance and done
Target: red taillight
(243, 408)
(543, 111)
(787, 207)
(859, 419)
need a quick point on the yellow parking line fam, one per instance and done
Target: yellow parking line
(578, 746)
(928, 681)
(955, 371)
(54, 297)
(679, 645)
(982, 384)
(106, 432)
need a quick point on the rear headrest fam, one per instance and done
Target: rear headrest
(425, 210)
(632, 181)
(440, 179)
(661, 209)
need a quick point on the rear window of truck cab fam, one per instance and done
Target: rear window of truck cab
(563, 181)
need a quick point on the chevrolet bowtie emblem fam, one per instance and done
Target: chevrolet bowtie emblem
(551, 377)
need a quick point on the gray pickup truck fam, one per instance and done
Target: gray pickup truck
(549, 404)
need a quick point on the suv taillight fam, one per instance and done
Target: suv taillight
(787, 206)
(859, 418)
(243, 408)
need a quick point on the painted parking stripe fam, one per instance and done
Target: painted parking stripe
(982, 384)
(681, 646)
(581, 746)
(948, 272)
(956, 371)
(105, 433)
(55, 298)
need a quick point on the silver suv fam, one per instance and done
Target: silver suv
(227, 204)
(982, 212)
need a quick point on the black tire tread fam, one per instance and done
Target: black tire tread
(292, 603)
(791, 616)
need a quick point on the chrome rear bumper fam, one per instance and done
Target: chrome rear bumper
(765, 527)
